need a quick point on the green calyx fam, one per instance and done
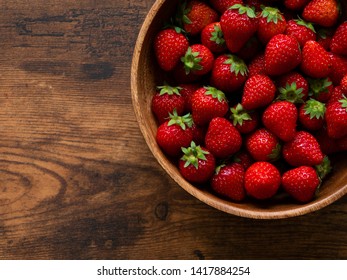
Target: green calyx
(167, 89)
(250, 12)
(215, 93)
(271, 14)
(291, 93)
(182, 121)
(324, 168)
(319, 86)
(191, 61)
(343, 102)
(307, 24)
(217, 36)
(218, 168)
(314, 109)
(276, 153)
(239, 115)
(237, 65)
(193, 154)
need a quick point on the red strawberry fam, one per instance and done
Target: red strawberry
(197, 164)
(187, 91)
(208, 103)
(166, 99)
(343, 84)
(262, 180)
(280, 118)
(259, 91)
(257, 66)
(302, 150)
(229, 73)
(316, 61)
(244, 158)
(301, 30)
(263, 145)
(222, 5)
(271, 23)
(339, 40)
(311, 114)
(174, 134)
(336, 94)
(238, 24)
(169, 46)
(301, 183)
(222, 138)
(212, 37)
(196, 15)
(198, 60)
(244, 121)
(339, 68)
(336, 118)
(282, 55)
(228, 181)
(293, 87)
(295, 4)
(321, 89)
(322, 12)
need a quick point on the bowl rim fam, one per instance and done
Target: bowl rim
(204, 196)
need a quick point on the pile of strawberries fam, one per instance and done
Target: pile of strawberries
(253, 96)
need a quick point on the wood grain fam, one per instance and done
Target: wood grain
(77, 180)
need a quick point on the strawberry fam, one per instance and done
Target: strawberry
(339, 68)
(321, 89)
(169, 46)
(212, 38)
(263, 145)
(259, 91)
(301, 183)
(238, 24)
(301, 30)
(196, 15)
(222, 5)
(197, 164)
(165, 100)
(198, 60)
(302, 150)
(311, 114)
(316, 61)
(244, 158)
(339, 41)
(222, 138)
(187, 91)
(229, 73)
(244, 121)
(336, 94)
(282, 55)
(257, 66)
(174, 134)
(343, 84)
(295, 4)
(280, 118)
(322, 12)
(262, 180)
(228, 181)
(293, 87)
(271, 23)
(208, 103)
(336, 118)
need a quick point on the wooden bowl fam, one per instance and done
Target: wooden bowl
(145, 75)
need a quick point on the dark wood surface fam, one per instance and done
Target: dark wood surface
(77, 180)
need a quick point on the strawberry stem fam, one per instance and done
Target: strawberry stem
(193, 154)
(237, 65)
(314, 109)
(250, 12)
(239, 115)
(215, 93)
(191, 61)
(271, 14)
(182, 121)
(291, 93)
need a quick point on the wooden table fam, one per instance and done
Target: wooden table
(77, 180)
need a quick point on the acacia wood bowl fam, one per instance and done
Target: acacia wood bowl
(145, 76)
